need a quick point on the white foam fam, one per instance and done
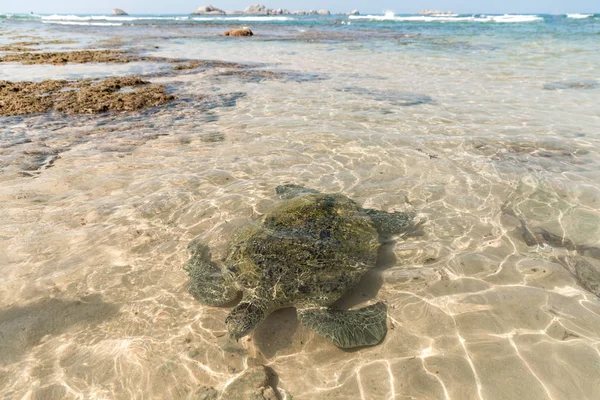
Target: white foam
(579, 16)
(252, 19)
(57, 17)
(513, 18)
(78, 18)
(449, 18)
(81, 23)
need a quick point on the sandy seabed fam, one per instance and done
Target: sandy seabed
(497, 299)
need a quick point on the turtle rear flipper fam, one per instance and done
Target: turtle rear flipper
(346, 329)
(393, 223)
(207, 281)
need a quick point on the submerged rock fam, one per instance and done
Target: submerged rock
(573, 84)
(583, 261)
(206, 393)
(255, 383)
(193, 64)
(395, 98)
(118, 11)
(238, 32)
(586, 271)
(208, 10)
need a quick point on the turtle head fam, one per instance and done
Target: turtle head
(243, 319)
(290, 190)
(199, 250)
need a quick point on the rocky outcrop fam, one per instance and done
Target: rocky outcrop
(354, 12)
(257, 9)
(208, 10)
(234, 12)
(80, 96)
(118, 11)
(323, 12)
(434, 12)
(238, 32)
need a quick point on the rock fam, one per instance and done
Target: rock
(257, 9)
(434, 12)
(571, 84)
(239, 32)
(586, 270)
(402, 99)
(256, 383)
(234, 12)
(118, 11)
(323, 12)
(208, 10)
(207, 393)
(354, 12)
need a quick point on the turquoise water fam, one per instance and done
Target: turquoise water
(485, 127)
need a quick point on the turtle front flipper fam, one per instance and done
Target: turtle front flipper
(346, 329)
(207, 281)
(391, 223)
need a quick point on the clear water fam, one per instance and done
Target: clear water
(480, 126)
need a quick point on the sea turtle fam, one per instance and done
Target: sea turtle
(306, 252)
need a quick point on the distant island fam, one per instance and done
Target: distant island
(434, 12)
(258, 9)
(208, 10)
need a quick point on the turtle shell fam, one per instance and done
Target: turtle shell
(307, 251)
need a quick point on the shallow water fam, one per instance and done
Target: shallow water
(455, 123)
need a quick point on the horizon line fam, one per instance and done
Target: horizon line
(279, 15)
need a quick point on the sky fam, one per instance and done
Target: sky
(364, 6)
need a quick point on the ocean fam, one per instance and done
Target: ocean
(483, 126)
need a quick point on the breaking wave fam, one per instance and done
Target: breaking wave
(449, 18)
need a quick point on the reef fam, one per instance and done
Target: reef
(193, 64)
(100, 56)
(80, 96)
(80, 56)
(26, 46)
